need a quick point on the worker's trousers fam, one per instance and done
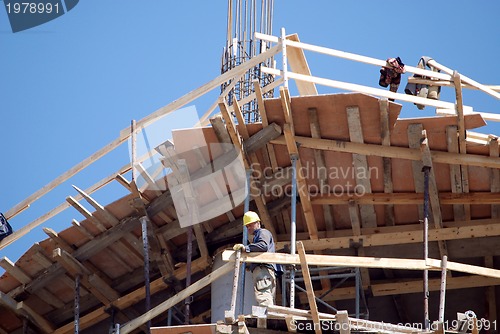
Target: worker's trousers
(264, 283)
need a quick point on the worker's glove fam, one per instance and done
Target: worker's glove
(238, 247)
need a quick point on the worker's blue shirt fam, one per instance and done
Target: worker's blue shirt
(263, 242)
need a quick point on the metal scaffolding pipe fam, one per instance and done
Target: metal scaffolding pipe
(293, 228)
(77, 304)
(187, 301)
(246, 207)
(145, 247)
(358, 289)
(426, 170)
(442, 296)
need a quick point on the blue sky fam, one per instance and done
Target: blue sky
(69, 86)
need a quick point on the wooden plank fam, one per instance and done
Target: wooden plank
(461, 138)
(309, 287)
(367, 212)
(464, 79)
(260, 139)
(392, 151)
(302, 186)
(448, 83)
(414, 141)
(433, 192)
(408, 236)
(162, 307)
(263, 116)
(298, 64)
(319, 158)
(133, 297)
(351, 56)
(23, 278)
(361, 89)
(361, 262)
(494, 176)
(343, 321)
(91, 281)
(354, 215)
(408, 286)
(301, 181)
(455, 173)
(385, 134)
(114, 249)
(35, 318)
(446, 198)
(220, 129)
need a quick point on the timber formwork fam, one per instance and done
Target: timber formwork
(360, 204)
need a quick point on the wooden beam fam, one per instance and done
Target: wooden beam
(461, 138)
(298, 64)
(367, 212)
(350, 56)
(360, 88)
(414, 141)
(23, 278)
(406, 236)
(35, 318)
(220, 129)
(385, 134)
(319, 158)
(293, 150)
(361, 262)
(491, 294)
(162, 307)
(309, 287)
(392, 151)
(455, 174)
(448, 83)
(235, 138)
(132, 298)
(343, 321)
(90, 280)
(408, 286)
(464, 79)
(265, 122)
(494, 176)
(446, 198)
(433, 191)
(260, 139)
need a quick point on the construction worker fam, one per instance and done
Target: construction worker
(263, 274)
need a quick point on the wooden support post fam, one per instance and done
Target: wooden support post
(459, 107)
(494, 176)
(293, 150)
(309, 287)
(433, 191)
(385, 134)
(360, 163)
(455, 173)
(414, 141)
(319, 158)
(265, 122)
(23, 278)
(343, 321)
(391, 151)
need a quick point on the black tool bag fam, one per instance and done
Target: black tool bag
(5, 228)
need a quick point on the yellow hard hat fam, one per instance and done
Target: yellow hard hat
(250, 217)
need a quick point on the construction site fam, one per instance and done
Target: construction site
(382, 224)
